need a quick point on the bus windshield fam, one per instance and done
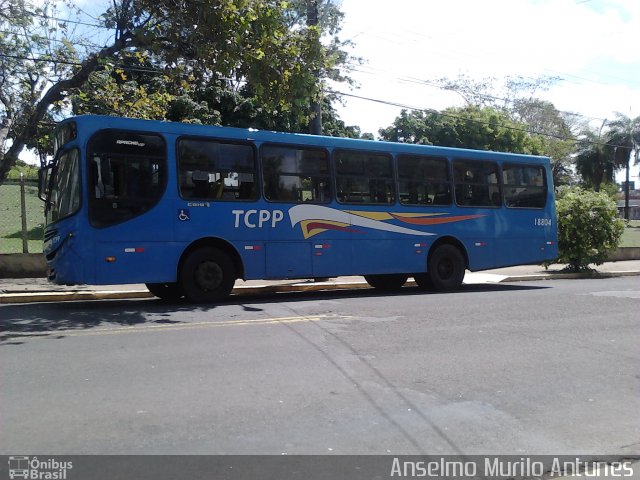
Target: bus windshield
(59, 182)
(64, 193)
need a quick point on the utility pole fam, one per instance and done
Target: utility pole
(626, 187)
(23, 215)
(315, 124)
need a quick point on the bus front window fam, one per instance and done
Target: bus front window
(64, 195)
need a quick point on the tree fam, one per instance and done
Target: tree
(29, 43)
(588, 227)
(554, 129)
(244, 42)
(624, 134)
(141, 88)
(485, 93)
(415, 126)
(117, 91)
(594, 161)
(515, 96)
(467, 127)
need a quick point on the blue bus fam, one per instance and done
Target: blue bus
(188, 209)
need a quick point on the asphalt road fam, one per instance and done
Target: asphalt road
(528, 368)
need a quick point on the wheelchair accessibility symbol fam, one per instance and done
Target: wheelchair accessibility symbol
(183, 214)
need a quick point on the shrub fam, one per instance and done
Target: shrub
(588, 227)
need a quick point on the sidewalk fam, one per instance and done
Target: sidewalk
(28, 290)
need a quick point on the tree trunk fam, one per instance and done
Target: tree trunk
(315, 124)
(626, 190)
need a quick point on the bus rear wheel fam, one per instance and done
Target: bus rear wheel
(207, 275)
(166, 291)
(446, 268)
(387, 282)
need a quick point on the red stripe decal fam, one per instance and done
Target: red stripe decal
(436, 220)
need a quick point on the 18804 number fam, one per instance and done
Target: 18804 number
(542, 222)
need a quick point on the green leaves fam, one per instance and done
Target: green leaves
(588, 227)
(260, 52)
(482, 128)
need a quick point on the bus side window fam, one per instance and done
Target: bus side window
(295, 174)
(423, 180)
(476, 183)
(524, 186)
(364, 177)
(216, 170)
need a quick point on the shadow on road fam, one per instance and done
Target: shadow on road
(53, 320)
(49, 319)
(333, 294)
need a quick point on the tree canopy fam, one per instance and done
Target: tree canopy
(261, 64)
(503, 116)
(163, 58)
(483, 128)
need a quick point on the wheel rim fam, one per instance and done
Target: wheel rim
(445, 268)
(209, 275)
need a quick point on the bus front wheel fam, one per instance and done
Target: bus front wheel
(386, 282)
(446, 268)
(207, 275)
(166, 291)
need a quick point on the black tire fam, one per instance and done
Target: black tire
(388, 282)
(207, 275)
(166, 291)
(423, 280)
(446, 268)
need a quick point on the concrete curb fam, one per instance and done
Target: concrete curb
(569, 276)
(42, 297)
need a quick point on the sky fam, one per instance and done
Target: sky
(593, 46)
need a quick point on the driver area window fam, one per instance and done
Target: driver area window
(127, 175)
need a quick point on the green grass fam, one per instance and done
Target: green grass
(631, 235)
(11, 223)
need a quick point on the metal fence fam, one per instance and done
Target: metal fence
(21, 216)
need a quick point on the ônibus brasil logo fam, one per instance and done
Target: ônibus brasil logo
(36, 469)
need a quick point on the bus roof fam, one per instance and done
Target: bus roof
(91, 123)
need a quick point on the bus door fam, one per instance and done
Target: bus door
(127, 177)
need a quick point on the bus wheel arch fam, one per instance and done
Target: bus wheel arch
(446, 264)
(208, 269)
(221, 245)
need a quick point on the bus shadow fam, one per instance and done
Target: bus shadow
(59, 320)
(284, 297)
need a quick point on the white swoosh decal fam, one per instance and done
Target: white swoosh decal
(300, 213)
